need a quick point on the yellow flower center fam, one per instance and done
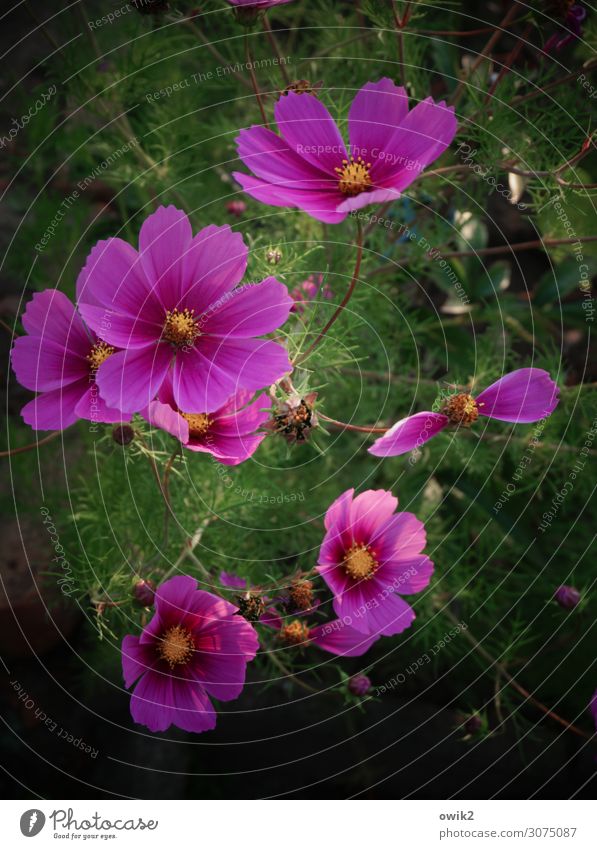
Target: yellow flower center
(461, 409)
(359, 563)
(354, 176)
(99, 354)
(199, 423)
(176, 646)
(295, 633)
(181, 327)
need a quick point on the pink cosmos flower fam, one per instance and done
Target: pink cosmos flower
(59, 358)
(523, 396)
(308, 291)
(194, 647)
(309, 167)
(369, 555)
(173, 304)
(229, 434)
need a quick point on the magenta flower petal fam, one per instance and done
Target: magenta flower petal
(376, 112)
(160, 700)
(338, 638)
(272, 159)
(319, 205)
(425, 133)
(163, 416)
(525, 395)
(93, 408)
(42, 366)
(195, 644)
(250, 363)
(113, 277)
(55, 410)
(51, 317)
(408, 434)
(164, 240)
(229, 579)
(200, 384)
(309, 129)
(367, 563)
(250, 311)
(214, 264)
(367, 198)
(129, 380)
(369, 511)
(338, 513)
(121, 329)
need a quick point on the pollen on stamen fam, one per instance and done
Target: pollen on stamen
(176, 646)
(354, 176)
(98, 355)
(181, 327)
(461, 409)
(359, 563)
(199, 423)
(295, 633)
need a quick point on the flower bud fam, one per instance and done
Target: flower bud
(567, 597)
(359, 685)
(123, 434)
(237, 208)
(273, 256)
(144, 592)
(295, 418)
(300, 596)
(472, 724)
(251, 606)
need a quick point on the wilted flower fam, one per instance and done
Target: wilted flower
(309, 167)
(300, 596)
(594, 708)
(567, 597)
(573, 15)
(295, 418)
(359, 685)
(523, 396)
(174, 305)
(309, 290)
(230, 434)
(370, 554)
(59, 358)
(196, 646)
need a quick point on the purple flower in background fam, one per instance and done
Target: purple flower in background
(369, 555)
(307, 291)
(567, 597)
(194, 647)
(59, 358)
(173, 304)
(569, 31)
(521, 397)
(594, 708)
(359, 685)
(229, 433)
(309, 167)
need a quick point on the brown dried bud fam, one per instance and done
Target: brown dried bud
(295, 418)
(461, 409)
(295, 634)
(304, 87)
(251, 606)
(300, 595)
(123, 434)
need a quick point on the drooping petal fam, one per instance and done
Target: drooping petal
(408, 433)
(338, 638)
(163, 416)
(137, 659)
(367, 198)
(55, 410)
(309, 129)
(229, 579)
(50, 316)
(523, 396)
(130, 380)
(164, 239)
(93, 408)
(233, 420)
(376, 112)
